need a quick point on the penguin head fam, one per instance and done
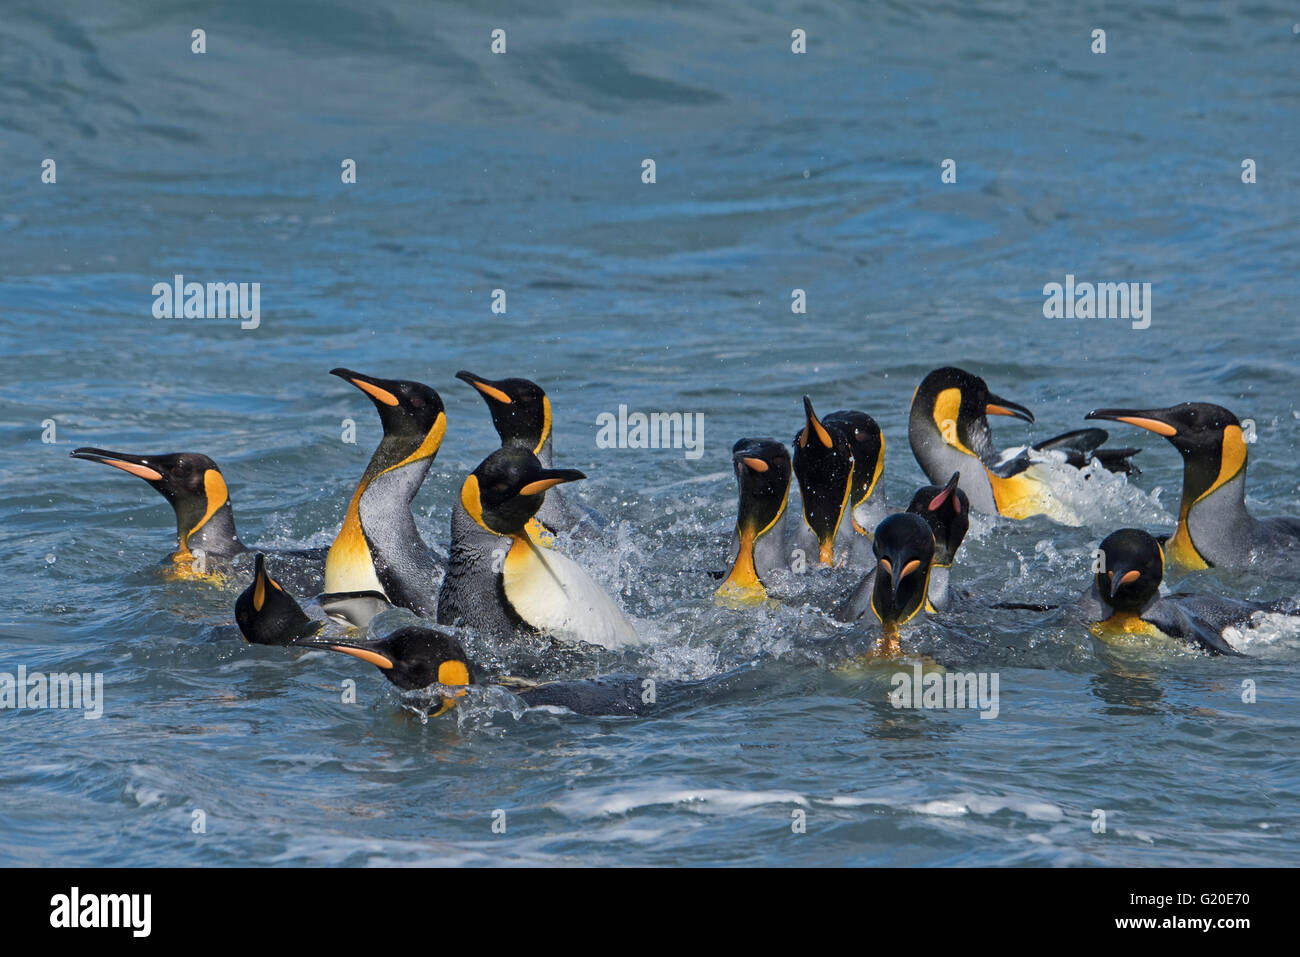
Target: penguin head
(1132, 569)
(763, 474)
(1208, 437)
(957, 404)
(521, 412)
(823, 464)
(867, 445)
(508, 488)
(946, 509)
(268, 615)
(412, 415)
(413, 658)
(904, 550)
(190, 481)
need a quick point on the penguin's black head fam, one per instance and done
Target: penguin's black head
(268, 615)
(904, 550)
(1208, 437)
(190, 481)
(763, 473)
(823, 464)
(411, 412)
(508, 488)
(958, 404)
(521, 412)
(413, 658)
(1132, 568)
(866, 443)
(946, 509)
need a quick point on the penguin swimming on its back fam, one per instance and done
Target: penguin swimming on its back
(193, 485)
(378, 548)
(949, 431)
(758, 544)
(500, 581)
(521, 415)
(268, 615)
(421, 658)
(1214, 528)
(1124, 602)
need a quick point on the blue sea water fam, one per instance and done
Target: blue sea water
(522, 172)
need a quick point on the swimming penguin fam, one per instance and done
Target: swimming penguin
(205, 519)
(948, 429)
(379, 549)
(416, 658)
(1214, 528)
(758, 544)
(413, 658)
(268, 615)
(824, 466)
(867, 445)
(500, 581)
(197, 491)
(521, 414)
(947, 511)
(1124, 602)
(904, 550)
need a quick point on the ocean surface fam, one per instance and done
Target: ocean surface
(774, 171)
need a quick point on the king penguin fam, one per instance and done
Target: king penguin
(500, 581)
(949, 431)
(268, 615)
(1214, 528)
(379, 549)
(824, 467)
(904, 548)
(205, 519)
(758, 544)
(431, 660)
(947, 511)
(1125, 606)
(867, 445)
(194, 486)
(521, 414)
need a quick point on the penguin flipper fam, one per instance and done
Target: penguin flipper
(1175, 619)
(353, 608)
(858, 603)
(1012, 466)
(1083, 445)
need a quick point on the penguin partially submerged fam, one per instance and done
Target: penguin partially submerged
(828, 477)
(379, 549)
(949, 431)
(1124, 603)
(867, 445)
(500, 581)
(758, 544)
(1214, 528)
(904, 550)
(418, 658)
(521, 415)
(267, 614)
(946, 510)
(206, 539)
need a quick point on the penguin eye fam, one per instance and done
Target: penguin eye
(859, 434)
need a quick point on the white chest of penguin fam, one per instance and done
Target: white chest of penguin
(553, 594)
